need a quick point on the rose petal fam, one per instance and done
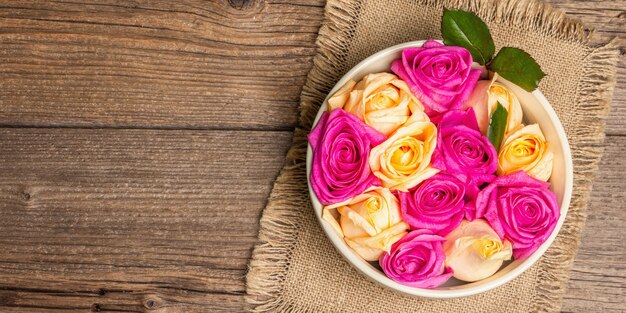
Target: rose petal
(341, 144)
(521, 209)
(441, 77)
(416, 260)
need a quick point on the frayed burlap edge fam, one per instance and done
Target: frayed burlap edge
(594, 95)
(279, 225)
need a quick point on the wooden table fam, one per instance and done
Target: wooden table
(139, 141)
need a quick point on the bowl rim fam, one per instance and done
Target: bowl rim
(375, 275)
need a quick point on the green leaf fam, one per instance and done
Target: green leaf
(497, 126)
(465, 29)
(518, 67)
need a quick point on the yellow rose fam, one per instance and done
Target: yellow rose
(485, 98)
(526, 149)
(474, 251)
(370, 223)
(403, 160)
(381, 100)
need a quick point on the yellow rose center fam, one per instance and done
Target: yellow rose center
(405, 155)
(501, 94)
(385, 98)
(374, 207)
(523, 150)
(487, 246)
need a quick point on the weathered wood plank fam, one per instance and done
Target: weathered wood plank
(110, 219)
(598, 277)
(607, 17)
(114, 218)
(177, 64)
(184, 64)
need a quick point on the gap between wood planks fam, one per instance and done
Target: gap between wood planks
(140, 127)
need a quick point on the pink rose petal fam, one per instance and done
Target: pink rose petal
(521, 209)
(341, 144)
(417, 260)
(441, 77)
(437, 204)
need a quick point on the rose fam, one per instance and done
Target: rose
(526, 149)
(437, 204)
(417, 260)
(484, 99)
(441, 77)
(474, 251)
(370, 222)
(341, 144)
(521, 209)
(403, 160)
(381, 100)
(464, 151)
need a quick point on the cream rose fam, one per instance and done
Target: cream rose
(474, 251)
(526, 149)
(370, 223)
(485, 98)
(381, 100)
(403, 160)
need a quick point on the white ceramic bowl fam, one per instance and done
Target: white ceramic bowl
(536, 110)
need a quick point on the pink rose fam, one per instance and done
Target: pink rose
(441, 77)
(436, 204)
(417, 260)
(520, 209)
(463, 151)
(341, 144)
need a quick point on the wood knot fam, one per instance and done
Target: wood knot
(101, 292)
(25, 196)
(95, 308)
(151, 303)
(241, 4)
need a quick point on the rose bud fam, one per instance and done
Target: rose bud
(381, 100)
(341, 145)
(438, 204)
(520, 209)
(403, 160)
(464, 152)
(474, 251)
(417, 260)
(526, 149)
(484, 100)
(370, 222)
(441, 77)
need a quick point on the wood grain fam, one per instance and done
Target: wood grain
(115, 218)
(148, 64)
(122, 220)
(184, 64)
(598, 277)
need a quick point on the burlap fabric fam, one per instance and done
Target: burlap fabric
(296, 269)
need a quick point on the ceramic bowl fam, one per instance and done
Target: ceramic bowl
(536, 109)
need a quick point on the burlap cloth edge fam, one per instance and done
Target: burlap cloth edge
(279, 223)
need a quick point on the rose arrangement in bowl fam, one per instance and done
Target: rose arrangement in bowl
(438, 170)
